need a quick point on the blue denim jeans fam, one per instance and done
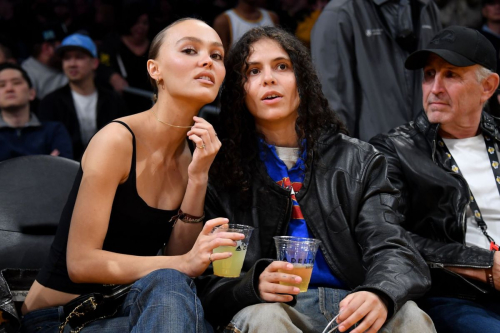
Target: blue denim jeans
(458, 315)
(314, 310)
(163, 301)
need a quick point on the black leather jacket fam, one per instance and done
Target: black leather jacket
(348, 204)
(434, 200)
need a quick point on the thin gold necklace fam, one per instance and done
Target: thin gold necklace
(177, 126)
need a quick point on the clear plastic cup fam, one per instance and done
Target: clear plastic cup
(301, 253)
(231, 267)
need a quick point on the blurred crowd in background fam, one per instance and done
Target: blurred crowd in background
(32, 30)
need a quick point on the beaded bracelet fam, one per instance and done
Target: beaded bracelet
(186, 218)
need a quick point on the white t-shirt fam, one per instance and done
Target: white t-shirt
(240, 25)
(472, 158)
(86, 111)
(289, 156)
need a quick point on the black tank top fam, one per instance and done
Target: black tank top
(134, 228)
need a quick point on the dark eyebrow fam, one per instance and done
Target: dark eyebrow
(275, 59)
(197, 40)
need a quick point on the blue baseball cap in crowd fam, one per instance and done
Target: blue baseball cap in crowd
(80, 42)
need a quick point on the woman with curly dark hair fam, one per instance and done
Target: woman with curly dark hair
(287, 167)
(313, 116)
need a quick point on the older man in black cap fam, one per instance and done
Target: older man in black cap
(445, 163)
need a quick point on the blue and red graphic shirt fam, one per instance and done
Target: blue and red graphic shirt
(292, 179)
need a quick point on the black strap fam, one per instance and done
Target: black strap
(494, 163)
(132, 166)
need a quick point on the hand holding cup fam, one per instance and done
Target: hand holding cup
(196, 261)
(231, 267)
(271, 288)
(301, 253)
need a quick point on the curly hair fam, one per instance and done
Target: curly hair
(239, 153)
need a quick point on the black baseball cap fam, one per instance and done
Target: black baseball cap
(48, 32)
(460, 46)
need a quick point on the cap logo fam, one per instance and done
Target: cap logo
(445, 36)
(48, 34)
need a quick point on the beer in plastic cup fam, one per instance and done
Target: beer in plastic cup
(231, 267)
(300, 252)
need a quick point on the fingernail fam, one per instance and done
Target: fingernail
(296, 290)
(290, 266)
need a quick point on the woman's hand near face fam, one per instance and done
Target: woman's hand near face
(203, 135)
(269, 288)
(184, 235)
(200, 256)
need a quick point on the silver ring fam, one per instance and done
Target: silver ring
(210, 257)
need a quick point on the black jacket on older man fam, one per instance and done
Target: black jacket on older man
(434, 200)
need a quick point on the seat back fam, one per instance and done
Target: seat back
(33, 192)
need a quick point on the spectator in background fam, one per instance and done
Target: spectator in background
(6, 55)
(74, 14)
(460, 12)
(162, 15)
(491, 27)
(125, 55)
(306, 22)
(356, 47)
(21, 133)
(81, 106)
(43, 66)
(233, 23)
(104, 23)
(299, 16)
(491, 30)
(15, 27)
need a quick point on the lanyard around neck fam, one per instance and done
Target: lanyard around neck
(490, 148)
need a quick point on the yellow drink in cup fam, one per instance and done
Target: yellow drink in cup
(231, 267)
(304, 271)
(301, 253)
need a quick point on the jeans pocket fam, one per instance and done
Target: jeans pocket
(44, 320)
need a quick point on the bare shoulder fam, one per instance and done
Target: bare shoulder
(110, 151)
(221, 22)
